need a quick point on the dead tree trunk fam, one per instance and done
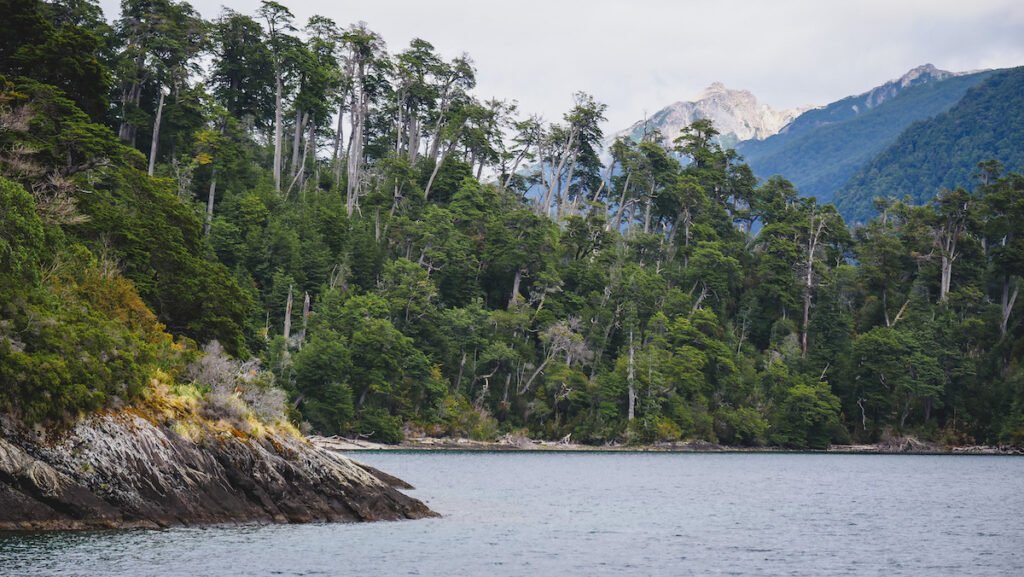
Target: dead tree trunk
(278, 128)
(433, 176)
(555, 186)
(1007, 302)
(300, 120)
(514, 298)
(156, 132)
(355, 147)
(209, 203)
(563, 205)
(647, 210)
(336, 157)
(308, 152)
(622, 206)
(817, 227)
(515, 166)
(631, 380)
(947, 276)
(288, 316)
(437, 168)
(305, 319)
(885, 306)
(946, 239)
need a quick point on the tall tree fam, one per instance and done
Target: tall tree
(365, 56)
(451, 83)
(953, 214)
(162, 40)
(278, 21)
(415, 95)
(1002, 221)
(317, 74)
(242, 71)
(821, 246)
(572, 155)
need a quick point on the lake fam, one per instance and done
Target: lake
(589, 514)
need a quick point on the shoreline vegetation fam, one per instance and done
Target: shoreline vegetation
(510, 443)
(218, 236)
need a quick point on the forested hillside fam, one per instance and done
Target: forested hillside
(944, 151)
(823, 147)
(355, 219)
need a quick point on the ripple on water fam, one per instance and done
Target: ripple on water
(610, 514)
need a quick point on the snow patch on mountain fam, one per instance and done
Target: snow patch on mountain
(736, 114)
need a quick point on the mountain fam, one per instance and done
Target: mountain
(822, 148)
(943, 152)
(737, 115)
(853, 106)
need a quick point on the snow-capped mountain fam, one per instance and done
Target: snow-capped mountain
(737, 115)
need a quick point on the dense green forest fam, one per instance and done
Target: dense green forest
(403, 256)
(944, 151)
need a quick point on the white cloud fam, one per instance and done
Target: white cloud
(641, 55)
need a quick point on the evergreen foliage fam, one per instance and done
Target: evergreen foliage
(357, 221)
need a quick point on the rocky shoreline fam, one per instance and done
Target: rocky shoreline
(904, 446)
(127, 470)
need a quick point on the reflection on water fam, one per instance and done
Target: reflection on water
(586, 514)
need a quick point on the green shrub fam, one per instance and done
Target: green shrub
(741, 426)
(378, 425)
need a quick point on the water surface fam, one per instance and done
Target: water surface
(588, 514)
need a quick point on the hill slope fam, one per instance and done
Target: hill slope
(821, 149)
(945, 150)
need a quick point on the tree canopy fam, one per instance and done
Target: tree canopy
(403, 256)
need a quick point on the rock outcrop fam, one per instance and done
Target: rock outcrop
(122, 470)
(737, 116)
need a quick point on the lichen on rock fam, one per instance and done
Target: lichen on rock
(133, 469)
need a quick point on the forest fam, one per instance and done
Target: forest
(351, 224)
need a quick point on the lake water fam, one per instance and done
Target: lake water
(589, 514)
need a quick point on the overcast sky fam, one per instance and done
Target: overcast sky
(641, 55)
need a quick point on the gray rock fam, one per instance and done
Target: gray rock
(121, 470)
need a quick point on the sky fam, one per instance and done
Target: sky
(641, 55)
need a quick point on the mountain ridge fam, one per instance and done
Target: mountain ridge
(856, 104)
(944, 150)
(822, 148)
